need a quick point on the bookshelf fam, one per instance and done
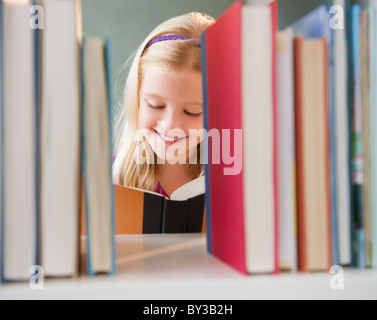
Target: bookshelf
(177, 266)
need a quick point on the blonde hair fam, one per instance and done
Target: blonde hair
(169, 55)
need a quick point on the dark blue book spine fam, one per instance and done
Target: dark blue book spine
(206, 141)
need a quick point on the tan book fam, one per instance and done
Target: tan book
(312, 155)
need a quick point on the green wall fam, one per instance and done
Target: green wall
(128, 22)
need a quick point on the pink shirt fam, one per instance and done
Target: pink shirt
(161, 191)
(158, 189)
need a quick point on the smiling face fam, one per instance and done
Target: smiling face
(171, 112)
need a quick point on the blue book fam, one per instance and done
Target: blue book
(97, 156)
(314, 25)
(206, 146)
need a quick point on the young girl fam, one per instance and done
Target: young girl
(163, 108)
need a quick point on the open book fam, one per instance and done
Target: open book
(140, 211)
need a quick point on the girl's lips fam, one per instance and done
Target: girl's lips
(168, 139)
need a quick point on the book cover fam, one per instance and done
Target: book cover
(240, 78)
(224, 90)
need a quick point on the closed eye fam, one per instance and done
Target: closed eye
(194, 115)
(155, 107)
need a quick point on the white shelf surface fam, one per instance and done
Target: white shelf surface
(178, 267)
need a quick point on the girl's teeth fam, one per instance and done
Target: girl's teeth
(168, 139)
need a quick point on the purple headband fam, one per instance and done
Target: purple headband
(172, 37)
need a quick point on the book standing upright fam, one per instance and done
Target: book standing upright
(239, 59)
(19, 116)
(342, 119)
(97, 156)
(286, 147)
(61, 138)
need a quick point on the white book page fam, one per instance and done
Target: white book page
(257, 126)
(189, 190)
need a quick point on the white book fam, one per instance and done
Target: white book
(19, 157)
(342, 142)
(257, 117)
(286, 151)
(61, 138)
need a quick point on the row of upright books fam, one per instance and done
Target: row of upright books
(305, 98)
(55, 103)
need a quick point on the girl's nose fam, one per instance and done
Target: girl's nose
(171, 120)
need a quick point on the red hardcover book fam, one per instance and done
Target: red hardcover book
(225, 112)
(240, 61)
